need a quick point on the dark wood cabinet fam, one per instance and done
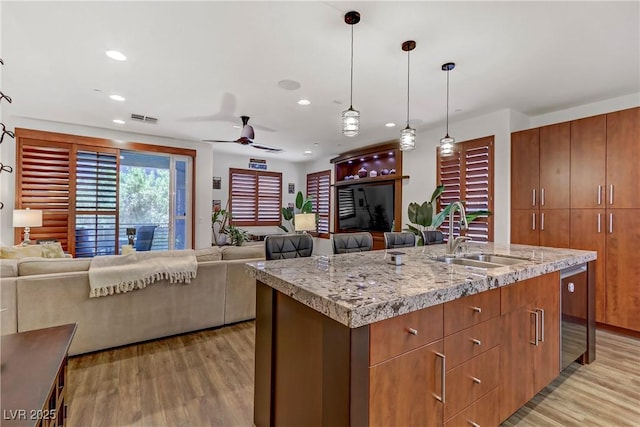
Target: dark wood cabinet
(554, 228)
(588, 158)
(588, 233)
(623, 158)
(525, 169)
(554, 158)
(530, 349)
(622, 268)
(524, 227)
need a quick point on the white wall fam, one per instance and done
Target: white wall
(203, 165)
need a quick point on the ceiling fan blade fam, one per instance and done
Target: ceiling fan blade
(267, 148)
(215, 140)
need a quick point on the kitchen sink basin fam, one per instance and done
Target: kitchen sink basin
(468, 262)
(496, 259)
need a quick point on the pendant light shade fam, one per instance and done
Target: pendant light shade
(351, 116)
(446, 143)
(408, 134)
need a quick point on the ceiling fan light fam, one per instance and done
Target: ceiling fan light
(407, 139)
(350, 122)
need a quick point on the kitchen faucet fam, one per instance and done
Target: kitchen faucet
(452, 244)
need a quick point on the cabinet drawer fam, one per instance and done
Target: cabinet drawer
(468, 311)
(391, 337)
(483, 412)
(471, 380)
(472, 341)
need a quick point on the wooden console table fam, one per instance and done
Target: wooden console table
(33, 369)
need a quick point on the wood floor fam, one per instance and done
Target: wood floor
(206, 379)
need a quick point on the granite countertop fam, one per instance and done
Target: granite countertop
(360, 288)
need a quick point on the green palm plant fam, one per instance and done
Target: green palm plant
(421, 215)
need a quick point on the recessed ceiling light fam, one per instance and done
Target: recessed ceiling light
(235, 126)
(114, 54)
(308, 152)
(390, 125)
(118, 121)
(116, 97)
(304, 102)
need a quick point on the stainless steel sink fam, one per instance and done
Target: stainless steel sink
(496, 259)
(468, 262)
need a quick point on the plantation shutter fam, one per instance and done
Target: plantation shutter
(255, 197)
(96, 227)
(468, 176)
(44, 184)
(347, 203)
(319, 190)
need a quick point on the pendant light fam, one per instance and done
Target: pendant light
(351, 117)
(446, 143)
(408, 135)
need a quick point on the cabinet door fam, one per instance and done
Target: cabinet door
(403, 390)
(588, 159)
(623, 268)
(587, 233)
(524, 227)
(554, 228)
(555, 162)
(525, 169)
(623, 157)
(547, 352)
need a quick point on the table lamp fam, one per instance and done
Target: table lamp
(305, 222)
(27, 218)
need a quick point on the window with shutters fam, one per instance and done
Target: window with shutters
(467, 175)
(319, 190)
(255, 197)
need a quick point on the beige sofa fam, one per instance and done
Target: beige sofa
(38, 293)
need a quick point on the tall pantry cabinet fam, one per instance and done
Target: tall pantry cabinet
(597, 179)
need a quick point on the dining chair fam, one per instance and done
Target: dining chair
(399, 239)
(352, 242)
(285, 246)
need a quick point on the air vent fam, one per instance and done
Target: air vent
(146, 119)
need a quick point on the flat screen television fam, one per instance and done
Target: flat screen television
(365, 207)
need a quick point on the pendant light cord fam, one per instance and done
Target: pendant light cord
(448, 102)
(351, 91)
(408, 83)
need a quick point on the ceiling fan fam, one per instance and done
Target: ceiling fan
(246, 137)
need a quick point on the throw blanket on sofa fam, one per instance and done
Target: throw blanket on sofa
(123, 273)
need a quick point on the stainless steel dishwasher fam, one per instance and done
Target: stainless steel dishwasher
(574, 309)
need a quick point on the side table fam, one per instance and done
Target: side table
(34, 374)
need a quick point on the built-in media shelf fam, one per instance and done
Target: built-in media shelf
(370, 180)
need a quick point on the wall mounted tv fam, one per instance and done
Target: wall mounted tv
(365, 207)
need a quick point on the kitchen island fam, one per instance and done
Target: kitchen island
(354, 339)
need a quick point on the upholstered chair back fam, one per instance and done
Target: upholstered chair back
(352, 242)
(399, 239)
(288, 246)
(432, 237)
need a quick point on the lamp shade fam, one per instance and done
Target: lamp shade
(27, 218)
(305, 222)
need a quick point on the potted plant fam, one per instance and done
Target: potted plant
(237, 235)
(303, 205)
(422, 216)
(219, 224)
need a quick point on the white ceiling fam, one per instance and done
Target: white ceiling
(198, 66)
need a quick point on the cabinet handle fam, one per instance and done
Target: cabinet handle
(476, 380)
(535, 313)
(542, 221)
(599, 194)
(533, 202)
(599, 221)
(542, 196)
(476, 342)
(477, 310)
(533, 224)
(541, 311)
(611, 194)
(472, 424)
(413, 331)
(610, 223)
(444, 368)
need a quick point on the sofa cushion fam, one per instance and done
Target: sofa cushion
(8, 267)
(52, 250)
(34, 266)
(19, 252)
(243, 252)
(213, 253)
